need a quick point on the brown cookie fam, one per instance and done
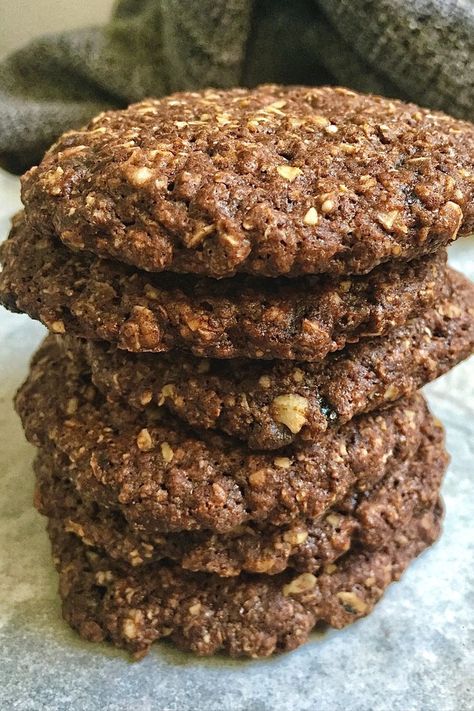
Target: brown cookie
(368, 516)
(271, 318)
(271, 404)
(250, 615)
(269, 181)
(164, 478)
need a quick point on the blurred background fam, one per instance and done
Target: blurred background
(22, 20)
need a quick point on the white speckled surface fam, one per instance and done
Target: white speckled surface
(414, 653)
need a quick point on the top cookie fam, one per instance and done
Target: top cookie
(269, 181)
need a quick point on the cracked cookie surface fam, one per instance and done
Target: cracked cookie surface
(271, 404)
(269, 181)
(367, 515)
(250, 615)
(165, 478)
(304, 319)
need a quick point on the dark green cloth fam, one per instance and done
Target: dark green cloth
(422, 50)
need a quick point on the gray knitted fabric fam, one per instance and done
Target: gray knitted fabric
(421, 50)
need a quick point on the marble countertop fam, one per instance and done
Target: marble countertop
(415, 652)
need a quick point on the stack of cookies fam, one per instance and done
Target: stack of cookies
(245, 291)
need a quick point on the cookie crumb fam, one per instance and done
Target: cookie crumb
(303, 583)
(144, 440)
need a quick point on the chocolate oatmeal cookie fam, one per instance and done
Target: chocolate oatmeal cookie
(269, 181)
(249, 615)
(368, 516)
(242, 317)
(164, 478)
(271, 404)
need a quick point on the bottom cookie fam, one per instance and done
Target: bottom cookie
(249, 615)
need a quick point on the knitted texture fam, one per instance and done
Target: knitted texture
(421, 50)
